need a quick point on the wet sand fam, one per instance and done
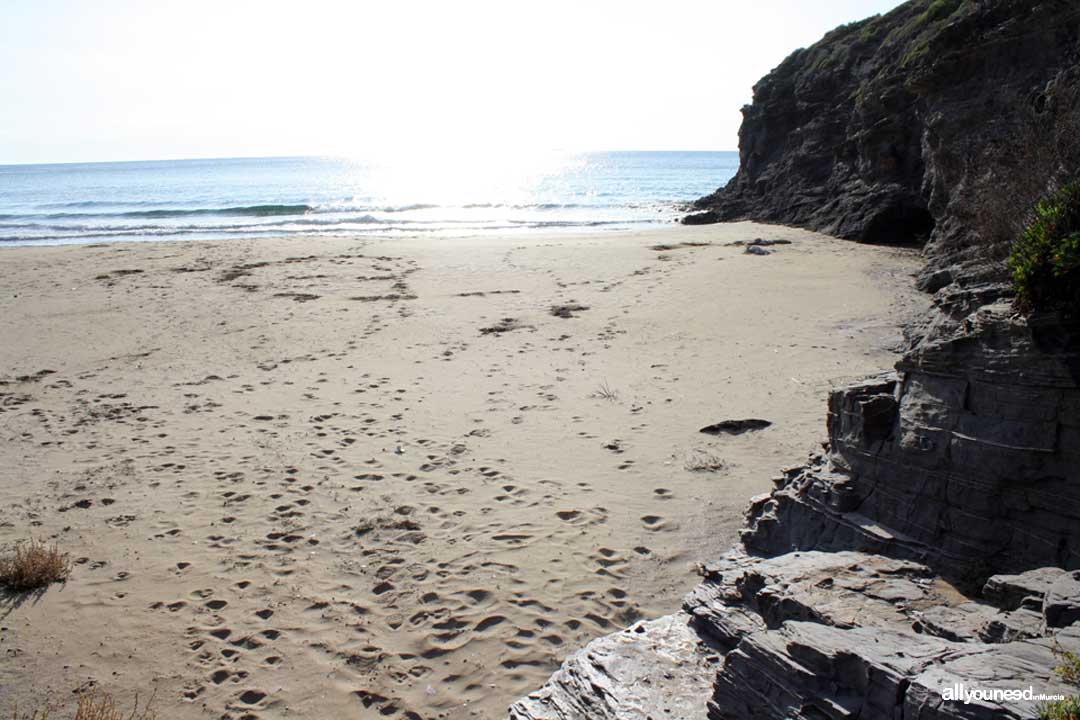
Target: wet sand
(398, 478)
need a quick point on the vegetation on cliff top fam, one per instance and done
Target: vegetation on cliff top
(913, 35)
(1045, 259)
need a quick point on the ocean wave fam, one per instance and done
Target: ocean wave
(244, 211)
(129, 228)
(538, 206)
(165, 213)
(157, 221)
(349, 227)
(98, 203)
(404, 208)
(121, 211)
(268, 210)
(76, 229)
(577, 223)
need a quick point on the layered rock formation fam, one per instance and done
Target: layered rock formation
(967, 458)
(933, 543)
(811, 635)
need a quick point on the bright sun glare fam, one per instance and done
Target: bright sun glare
(457, 176)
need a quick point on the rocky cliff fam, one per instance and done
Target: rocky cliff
(949, 118)
(944, 119)
(936, 541)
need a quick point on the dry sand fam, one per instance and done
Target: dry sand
(210, 429)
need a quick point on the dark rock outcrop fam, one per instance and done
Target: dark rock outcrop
(892, 127)
(967, 458)
(936, 540)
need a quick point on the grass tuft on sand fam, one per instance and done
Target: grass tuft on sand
(606, 392)
(33, 564)
(96, 705)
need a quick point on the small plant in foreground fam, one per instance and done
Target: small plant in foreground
(101, 706)
(32, 565)
(1045, 259)
(1069, 671)
(1067, 709)
(96, 705)
(604, 392)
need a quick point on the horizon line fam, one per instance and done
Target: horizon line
(342, 156)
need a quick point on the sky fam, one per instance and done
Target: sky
(156, 79)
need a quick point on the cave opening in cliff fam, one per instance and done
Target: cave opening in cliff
(901, 224)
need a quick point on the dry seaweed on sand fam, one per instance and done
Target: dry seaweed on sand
(33, 564)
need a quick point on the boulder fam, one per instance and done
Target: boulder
(1027, 589)
(1061, 606)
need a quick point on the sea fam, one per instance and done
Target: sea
(445, 196)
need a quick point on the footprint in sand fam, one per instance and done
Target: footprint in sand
(656, 523)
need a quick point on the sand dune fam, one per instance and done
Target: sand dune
(402, 478)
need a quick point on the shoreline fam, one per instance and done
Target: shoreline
(549, 231)
(526, 514)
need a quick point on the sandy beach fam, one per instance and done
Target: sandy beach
(400, 477)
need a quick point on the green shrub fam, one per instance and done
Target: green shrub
(924, 29)
(939, 9)
(1045, 259)
(1069, 669)
(1067, 709)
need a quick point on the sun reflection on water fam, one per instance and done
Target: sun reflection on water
(450, 178)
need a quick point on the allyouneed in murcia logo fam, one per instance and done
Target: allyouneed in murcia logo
(961, 692)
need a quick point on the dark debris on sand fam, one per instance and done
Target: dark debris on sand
(735, 427)
(567, 310)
